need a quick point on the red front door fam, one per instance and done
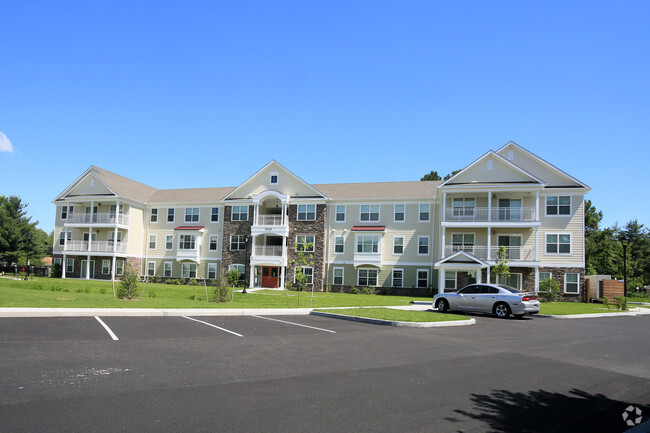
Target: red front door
(269, 277)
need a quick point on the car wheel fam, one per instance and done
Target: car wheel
(442, 306)
(501, 310)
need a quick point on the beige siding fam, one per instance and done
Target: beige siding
(500, 173)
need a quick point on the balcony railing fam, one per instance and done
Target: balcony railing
(269, 250)
(98, 218)
(269, 220)
(484, 214)
(95, 246)
(481, 252)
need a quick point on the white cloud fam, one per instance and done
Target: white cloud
(5, 144)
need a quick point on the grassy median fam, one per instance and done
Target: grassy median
(396, 315)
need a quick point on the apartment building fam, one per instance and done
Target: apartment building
(439, 235)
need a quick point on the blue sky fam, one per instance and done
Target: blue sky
(201, 94)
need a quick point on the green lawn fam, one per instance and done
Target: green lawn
(397, 315)
(565, 308)
(53, 292)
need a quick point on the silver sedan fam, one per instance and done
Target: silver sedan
(497, 299)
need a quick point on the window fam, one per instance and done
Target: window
(543, 276)
(571, 283)
(151, 268)
(111, 236)
(57, 261)
(368, 244)
(106, 267)
(64, 212)
(424, 213)
(398, 277)
(423, 245)
(188, 270)
(463, 207)
(212, 271)
(192, 214)
(167, 269)
(423, 278)
(237, 243)
(152, 242)
(154, 216)
(558, 205)
(558, 243)
(170, 215)
(239, 213)
(306, 271)
(462, 242)
(512, 280)
(214, 242)
(69, 265)
(119, 267)
(367, 277)
(398, 245)
(340, 214)
(306, 212)
(239, 268)
(399, 213)
(187, 242)
(369, 213)
(65, 236)
(450, 280)
(339, 244)
(274, 179)
(169, 242)
(338, 276)
(305, 243)
(214, 215)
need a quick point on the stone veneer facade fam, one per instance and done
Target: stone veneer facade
(230, 228)
(316, 228)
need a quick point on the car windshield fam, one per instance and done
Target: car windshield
(509, 288)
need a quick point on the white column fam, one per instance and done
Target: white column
(489, 205)
(443, 239)
(537, 206)
(489, 243)
(281, 277)
(88, 267)
(444, 206)
(251, 280)
(536, 279)
(536, 244)
(441, 280)
(113, 265)
(64, 265)
(488, 275)
(256, 212)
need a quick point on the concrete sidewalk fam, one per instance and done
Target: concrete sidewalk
(149, 312)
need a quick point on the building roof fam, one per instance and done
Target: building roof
(380, 190)
(190, 195)
(123, 186)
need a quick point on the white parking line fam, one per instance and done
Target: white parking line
(113, 336)
(214, 326)
(295, 324)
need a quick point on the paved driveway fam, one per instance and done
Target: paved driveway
(306, 373)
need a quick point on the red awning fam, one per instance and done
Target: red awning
(196, 228)
(368, 228)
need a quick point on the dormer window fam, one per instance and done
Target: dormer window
(274, 179)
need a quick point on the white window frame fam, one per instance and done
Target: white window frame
(463, 210)
(151, 269)
(308, 211)
(577, 283)
(214, 216)
(63, 235)
(111, 236)
(403, 212)
(367, 277)
(420, 245)
(64, 212)
(240, 211)
(550, 275)
(337, 213)
(303, 240)
(557, 243)
(558, 206)
(169, 242)
(392, 277)
(171, 214)
(504, 279)
(358, 242)
(211, 269)
(241, 240)
(341, 244)
(342, 276)
(369, 212)
(153, 242)
(153, 215)
(69, 265)
(168, 269)
(187, 271)
(216, 243)
(428, 212)
(185, 238)
(455, 280)
(106, 267)
(417, 278)
(277, 178)
(395, 245)
(57, 261)
(309, 273)
(192, 214)
(238, 267)
(119, 266)
(464, 244)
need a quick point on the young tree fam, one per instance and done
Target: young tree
(501, 267)
(129, 284)
(301, 279)
(15, 244)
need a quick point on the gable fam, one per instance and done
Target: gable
(491, 169)
(90, 185)
(551, 175)
(287, 183)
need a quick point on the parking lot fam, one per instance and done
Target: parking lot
(308, 373)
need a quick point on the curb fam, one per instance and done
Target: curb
(394, 323)
(588, 316)
(147, 312)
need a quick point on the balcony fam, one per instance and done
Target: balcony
(513, 254)
(373, 259)
(102, 218)
(96, 247)
(188, 254)
(269, 250)
(272, 224)
(487, 214)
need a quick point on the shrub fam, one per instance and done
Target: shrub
(621, 302)
(367, 290)
(192, 282)
(606, 302)
(56, 271)
(173, 281)
(128, 288)
(549, 290)
(221, 294)
(328, 288)
(354, 290)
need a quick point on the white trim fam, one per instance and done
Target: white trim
(428, 238)
(420, 212)
(403, 246)
(403, 220)
(392, 277)
(155, 242)
(344, 213)
(218, 208)
(417, 278)
(558, 234)
(558, 215)
(577, 283)
(335, 244)
(173, 215)
(367, 276)
(154, 268)
(342, 275)
(216, 236)
(171, 269)
(370, 212)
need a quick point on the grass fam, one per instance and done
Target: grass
(565, 308)
(54, 292)
(396, 315)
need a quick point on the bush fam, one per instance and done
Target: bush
(354, 290)
(549, 290)
(221, 294)
(621, 302)
(56, 271)
(192, 282)
(606, 302)
(173, 281)
(128, 288)
(367, 291)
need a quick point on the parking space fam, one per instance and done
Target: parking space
(51, 329)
